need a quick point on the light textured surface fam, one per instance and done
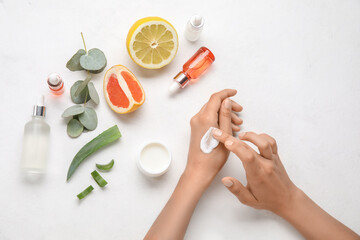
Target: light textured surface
(295, 65)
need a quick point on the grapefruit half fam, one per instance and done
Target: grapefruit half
(122, 91)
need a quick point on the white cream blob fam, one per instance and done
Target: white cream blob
(208, 142)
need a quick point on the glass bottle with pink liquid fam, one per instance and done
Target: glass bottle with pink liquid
(193, 69)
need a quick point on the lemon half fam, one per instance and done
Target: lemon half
(152, 42)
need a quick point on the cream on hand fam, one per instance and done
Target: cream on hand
(208, 142)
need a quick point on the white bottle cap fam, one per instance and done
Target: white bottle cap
(40, 101)
(54, 79)
(194, 28)
(174, 87)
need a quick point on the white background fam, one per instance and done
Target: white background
(295, 64)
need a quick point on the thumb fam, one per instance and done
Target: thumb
(239, 190)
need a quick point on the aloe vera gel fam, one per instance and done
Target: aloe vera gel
(36, 141)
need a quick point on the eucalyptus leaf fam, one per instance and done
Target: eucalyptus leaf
(74, 63)
(74, 128)
(89, 118)
(81, 97)
(83, 85)
(93, 93)
(73, 110)
(94, 61)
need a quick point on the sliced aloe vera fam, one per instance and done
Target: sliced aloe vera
(108, 136)
(106, 167)
(85, 192)
(98, 178)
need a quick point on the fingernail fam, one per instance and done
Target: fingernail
(227, 103)
(217, 132)
(228, 143)
(228, 183)
(241, 134)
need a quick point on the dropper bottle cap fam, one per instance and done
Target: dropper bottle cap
(39, 108)
(194, 28)
(180, 81)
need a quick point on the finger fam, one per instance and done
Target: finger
(225, 116)
(235, 119)
(216, 99)
(262, 143)
(239, 190)
(241, 149)
(272, 142)
(235, 128)
(236, 107)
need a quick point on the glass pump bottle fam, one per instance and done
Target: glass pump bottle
(193, 68)
(36, 141)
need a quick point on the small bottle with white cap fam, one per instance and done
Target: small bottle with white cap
(36, 141)
(55, 83)
(194, 28)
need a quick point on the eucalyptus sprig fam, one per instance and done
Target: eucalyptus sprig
(82, 91)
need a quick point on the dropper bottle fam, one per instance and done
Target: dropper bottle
(36, 141)
(194, 28)
(193, 69)
(55, 83)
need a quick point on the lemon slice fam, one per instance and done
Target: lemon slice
(152, 42)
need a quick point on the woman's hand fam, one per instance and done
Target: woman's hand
(217, 112)
(268, 185)
(201, 168)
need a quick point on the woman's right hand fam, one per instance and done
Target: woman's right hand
(268, 185)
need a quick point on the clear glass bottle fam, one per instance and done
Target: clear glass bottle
(193, 68)
(36, 141)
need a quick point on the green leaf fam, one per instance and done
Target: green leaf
(85, 192)
(89, 118)
(110, 135)
(93, 93)
(74, 128)
(74, 63)
(84, 94)
(105, 167)
(94, 61)
(73, 110)
(98, 178)
(82, 85)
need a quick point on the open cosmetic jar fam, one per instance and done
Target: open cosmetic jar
(154, 159)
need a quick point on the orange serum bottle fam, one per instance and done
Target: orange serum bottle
(56, 84)
(193, 68)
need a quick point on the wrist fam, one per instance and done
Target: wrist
(196, 178)
(297, 199)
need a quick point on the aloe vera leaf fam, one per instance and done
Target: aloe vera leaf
(105, 167)
(85, 192)
(105, 138)
(98, 179)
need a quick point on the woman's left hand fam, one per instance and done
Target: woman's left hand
(217, 112)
